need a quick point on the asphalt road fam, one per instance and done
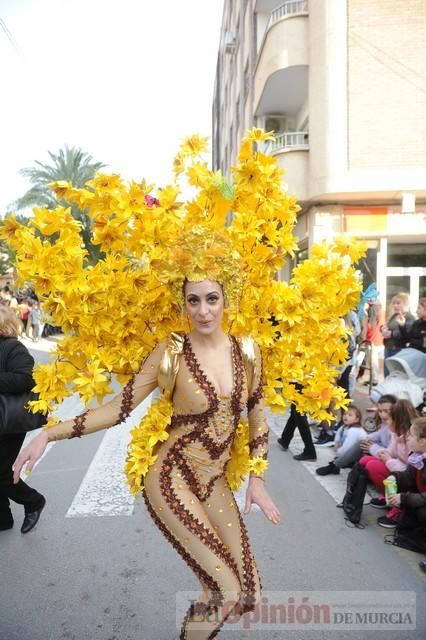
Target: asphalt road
(86, 573)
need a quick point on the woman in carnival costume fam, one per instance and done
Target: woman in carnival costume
(204, 336)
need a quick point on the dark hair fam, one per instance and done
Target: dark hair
(387, 398)
(357, 412)
(419, 425)
(403, 413)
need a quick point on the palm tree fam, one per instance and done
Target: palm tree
(7, 254)
(70, 164)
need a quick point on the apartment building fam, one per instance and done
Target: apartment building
(343, 85)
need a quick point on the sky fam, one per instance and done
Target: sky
(125, 80)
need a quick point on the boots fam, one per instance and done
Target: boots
(330, 468)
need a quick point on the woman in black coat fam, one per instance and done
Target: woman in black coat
(415, 337)
(16, 367)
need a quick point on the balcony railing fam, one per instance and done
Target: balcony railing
(289, 141)
(289, 8)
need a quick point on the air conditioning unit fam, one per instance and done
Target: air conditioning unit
(277, 124)
(230, 41)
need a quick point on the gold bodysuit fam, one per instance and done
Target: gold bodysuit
(186, 491)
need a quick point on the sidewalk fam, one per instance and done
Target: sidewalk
(44, 344)
(335, 485)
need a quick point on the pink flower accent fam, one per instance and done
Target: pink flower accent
(151, 201)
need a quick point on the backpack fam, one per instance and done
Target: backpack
(410, 533)
(356, 488)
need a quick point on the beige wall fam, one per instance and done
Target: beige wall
(295, 164)
(387, 84)
(327, 97)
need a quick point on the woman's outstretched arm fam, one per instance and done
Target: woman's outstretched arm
(258, 444)
(104, 417)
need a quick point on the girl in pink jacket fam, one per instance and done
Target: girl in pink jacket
(393, 458)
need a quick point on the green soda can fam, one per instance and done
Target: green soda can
(391, 487)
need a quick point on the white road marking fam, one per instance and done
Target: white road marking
(104, 490)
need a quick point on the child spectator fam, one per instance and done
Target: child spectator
(412, 482)
(393, 458)
(379, 439)
(346, 442)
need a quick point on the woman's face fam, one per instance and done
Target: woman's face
(383, 409)
(421, 312)
(398, 306)
(204, 305)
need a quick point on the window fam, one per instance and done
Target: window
(406, 255)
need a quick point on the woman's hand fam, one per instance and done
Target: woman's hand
(386, 332)
(30, 454)
(395, 500)
(257, 494)
(400, 319)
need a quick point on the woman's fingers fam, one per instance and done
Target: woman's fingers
(270, 511)
(17, 467)
(30, 454)
(273, 515)
(247, 506)
(31, 460)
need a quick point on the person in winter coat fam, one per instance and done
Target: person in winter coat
(415, 336)
(16, 366)
(393, 338)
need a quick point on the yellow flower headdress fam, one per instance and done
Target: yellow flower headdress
(201, 254)
(238, 232)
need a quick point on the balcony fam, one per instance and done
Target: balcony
(268, 6)
(290, 151)
(289, 8)
(290, 141)
(281, 74)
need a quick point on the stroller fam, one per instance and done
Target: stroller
(407, 378)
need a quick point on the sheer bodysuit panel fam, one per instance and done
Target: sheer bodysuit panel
(186, 492)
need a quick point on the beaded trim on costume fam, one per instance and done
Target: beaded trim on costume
(126, 403)
(78, 426)
(199, 571)
(256, 397)
(199, 375)
(256, 442)
(248, 569)
(184, 515)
